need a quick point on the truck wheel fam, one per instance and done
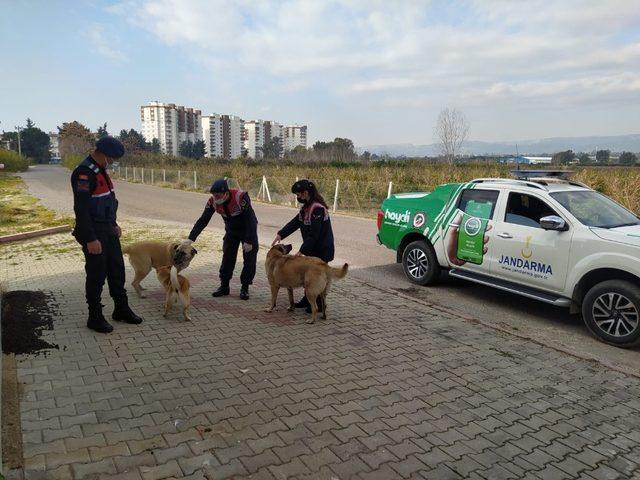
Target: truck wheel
(420, 263)
(611, 311)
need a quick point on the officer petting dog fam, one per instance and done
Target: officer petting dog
(315, 226)
(96, 229)
(241, 227)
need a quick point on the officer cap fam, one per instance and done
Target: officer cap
(219, 186)
(111, 147)
(302, 186)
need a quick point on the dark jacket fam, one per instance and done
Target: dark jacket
(317, 235)
(239, 219)
(94, 201)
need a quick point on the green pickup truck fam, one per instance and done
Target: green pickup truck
(539, 235)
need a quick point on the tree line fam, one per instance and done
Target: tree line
(602, 157)
(75, 139)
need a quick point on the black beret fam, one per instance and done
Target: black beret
(219, 186)
(111, 147)
(302, 186)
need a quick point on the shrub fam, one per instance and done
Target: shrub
(13, 162)
(72, 161)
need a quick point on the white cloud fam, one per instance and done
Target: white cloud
(103, 45)
(413, 54)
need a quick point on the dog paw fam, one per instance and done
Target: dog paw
(311, 321)
(269, 309)
(187, 319)
(290, 309)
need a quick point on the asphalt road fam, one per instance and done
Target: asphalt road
(355, 244)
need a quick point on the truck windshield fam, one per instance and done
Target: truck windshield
(595, 210)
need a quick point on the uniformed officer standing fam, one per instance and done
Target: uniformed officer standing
(95, 206)
(315, 226)
(241, 227)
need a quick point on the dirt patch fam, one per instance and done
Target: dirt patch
(12, 454)
(25, 315)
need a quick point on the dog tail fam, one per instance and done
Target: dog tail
(175, 283)
(339, 272)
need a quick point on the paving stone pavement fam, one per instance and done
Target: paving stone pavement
(384, 388)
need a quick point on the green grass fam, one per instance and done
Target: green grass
(20, 212)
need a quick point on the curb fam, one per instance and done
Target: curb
(467, 318)
(35, 233)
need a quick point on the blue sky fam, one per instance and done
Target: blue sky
(378, 72)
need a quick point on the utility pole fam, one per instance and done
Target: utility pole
(19, 146)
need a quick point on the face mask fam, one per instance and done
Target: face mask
(220, 201)
(301, 200)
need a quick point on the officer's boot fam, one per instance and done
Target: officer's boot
(303, 303)
(244, 292)
(222, 290)
(123, 313)
(96, 320)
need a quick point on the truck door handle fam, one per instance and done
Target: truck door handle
(505, 235)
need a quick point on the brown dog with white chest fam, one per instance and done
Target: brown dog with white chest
(175, 284)
(288, 271)
(146, 255)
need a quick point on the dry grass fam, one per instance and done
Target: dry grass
(363, 187)
(20, 212)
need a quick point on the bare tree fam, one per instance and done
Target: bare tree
(451, 131)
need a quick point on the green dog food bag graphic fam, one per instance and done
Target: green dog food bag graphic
(479, 209)
(471, 238)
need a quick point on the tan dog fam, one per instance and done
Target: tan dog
(313, 274)
(144, 256)
(173, 284)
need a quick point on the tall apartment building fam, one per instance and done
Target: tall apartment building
(258, 133)
(254, 138)
(171, 124)
(293, 136)
(274, 129)
(212, 134)
(232, 136)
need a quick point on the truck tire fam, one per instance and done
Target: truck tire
(611, 311)
(420, 263)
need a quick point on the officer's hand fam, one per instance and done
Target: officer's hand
(95, 247)
(118, 231)
(452, 244)
(276, 240)
(246, 247)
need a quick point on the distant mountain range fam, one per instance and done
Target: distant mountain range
(618, 143)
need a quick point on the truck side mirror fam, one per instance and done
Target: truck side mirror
(554, 222)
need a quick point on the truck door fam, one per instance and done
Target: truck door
(523, 251)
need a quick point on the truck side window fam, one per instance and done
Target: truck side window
(526, 210)
(479, 203)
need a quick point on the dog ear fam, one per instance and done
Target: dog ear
(175, 246)
(193, 251)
